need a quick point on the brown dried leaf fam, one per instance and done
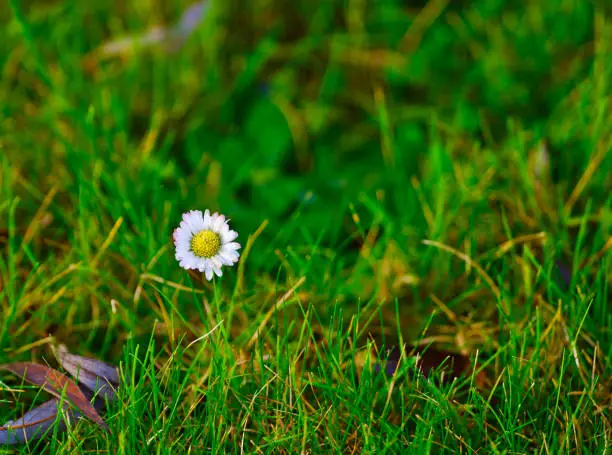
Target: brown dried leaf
(56, 384)
(35, 423)
(99, 377)
(430, 359)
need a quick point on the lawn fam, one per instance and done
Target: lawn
(422, 192)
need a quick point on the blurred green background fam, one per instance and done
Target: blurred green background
(357, 128)
(466, 123)
(349, 125)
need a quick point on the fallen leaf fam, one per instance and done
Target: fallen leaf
(35, 423)
(429, 360)
(56, 384)
(99, 377)
(565, 273)
(171, 38)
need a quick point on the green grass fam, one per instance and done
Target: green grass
(382, 162)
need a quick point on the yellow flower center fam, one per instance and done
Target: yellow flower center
(205, 244)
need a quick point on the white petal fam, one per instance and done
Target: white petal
(231, 246)
(187, 259)
(205, 264)
(207, 219)
(183, 246)
(228, 259)
(184, 226)
(197, 222)
(227, 237)
(216, 226)
(184, 236)
(193, 220)
(229, 252)
(201, 264)
(223, 231)
(218, 271)
(216, 261)
(209, 274)
(213, 217)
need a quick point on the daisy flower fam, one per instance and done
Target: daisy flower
(205, 242)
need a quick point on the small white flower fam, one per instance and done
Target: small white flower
(205, 243)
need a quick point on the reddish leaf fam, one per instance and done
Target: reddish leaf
(35, 423)
(430, 359)
(56, 384)
(97, 376)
